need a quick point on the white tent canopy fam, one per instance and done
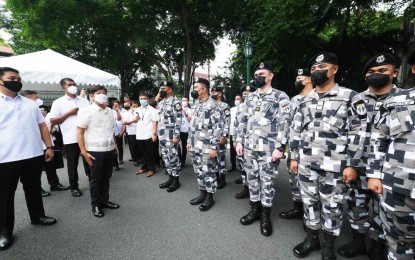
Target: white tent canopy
(50, 67)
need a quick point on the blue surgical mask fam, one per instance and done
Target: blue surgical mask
(143, 103)
(237, 103)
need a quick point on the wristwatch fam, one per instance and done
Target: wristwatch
(49, 147)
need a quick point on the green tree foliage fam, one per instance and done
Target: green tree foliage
(289, 32)
(122, 36)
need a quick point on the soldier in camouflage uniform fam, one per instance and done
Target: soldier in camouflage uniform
(217, 94)
(204, 135)
(263, 129)
(392, 170)
(380, 70)
(246, 90)
(304, 86)
(170, 120)
(327, 135)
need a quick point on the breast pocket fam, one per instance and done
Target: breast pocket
(336, 115)
(401, 120)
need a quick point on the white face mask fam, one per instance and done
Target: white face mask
(39, 102)
(72, 90)
(101, 98)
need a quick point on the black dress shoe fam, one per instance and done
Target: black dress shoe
(110, 205)
(58, 187)
(76, 193)
(5, 242)
(44, 193)
(231, 169)
(97, 212)
(121, 162)
(45, 221)
(116, 168)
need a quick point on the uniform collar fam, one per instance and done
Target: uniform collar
(266, 93)
(369, 93)
(333, 92)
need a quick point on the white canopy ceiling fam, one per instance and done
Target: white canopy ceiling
(50, 67)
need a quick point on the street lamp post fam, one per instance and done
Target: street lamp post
(248, 55)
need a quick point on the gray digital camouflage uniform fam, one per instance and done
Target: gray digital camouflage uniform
(204, 135)
(262, 128)
(170, 119)
(293, 178)
(393, 162)
(240, 159)
(359, 199)
(225, 124)
(328, 133)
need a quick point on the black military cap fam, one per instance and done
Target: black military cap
(203, 81)
(166, 83)
(303, 72)
(380, 59)
(247, 88)
(264, 66)
(411, 59)
(217, 89)
(324, 57)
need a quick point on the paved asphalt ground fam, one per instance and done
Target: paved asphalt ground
(154, 224)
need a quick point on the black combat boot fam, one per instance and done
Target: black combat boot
(166, 184)
(356, 247)
(310, 243)
(219, 181)
(174, 185)
(238, 181)
(266, 226)
(200, 198)
(295, 213)
(377, 251)
(253, 215)
(243, 194)
(222, 181)
(327, 250)
(208, 203)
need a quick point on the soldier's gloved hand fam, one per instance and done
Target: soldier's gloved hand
(222, 140)
(239, 149)
(277, 154)
(176, 141)
(188, 147)
(212, 153)
(349, 174)
(294, 166)
(375, 185)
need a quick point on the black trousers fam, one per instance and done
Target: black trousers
(232, 153)
(29, 172)
(132, 144)
(149, 149)
(50, 171)
(119, 143)
(99, 177)
(183, 139)
(73, 152)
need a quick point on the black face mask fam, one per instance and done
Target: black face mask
(260, 81)
(194, 94)
(299, 85)
(215, 97)
(127, 107)
(14, 86)
(319, 77)
(163, 93)
(378, 80)
(153, 103)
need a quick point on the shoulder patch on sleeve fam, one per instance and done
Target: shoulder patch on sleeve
(227, 112)
(360, 107)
